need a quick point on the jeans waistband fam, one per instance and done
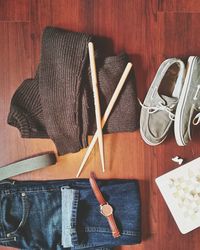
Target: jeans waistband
(13, 185)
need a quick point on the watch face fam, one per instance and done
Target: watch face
(106, 210)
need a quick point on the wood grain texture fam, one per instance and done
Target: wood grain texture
(14, 10)
(179, 5)
(149, 31)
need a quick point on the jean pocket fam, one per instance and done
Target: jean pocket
(14, 212)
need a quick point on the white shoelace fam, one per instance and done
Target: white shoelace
(196, 119)
(159, 107)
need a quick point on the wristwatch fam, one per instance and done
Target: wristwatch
(105, 208)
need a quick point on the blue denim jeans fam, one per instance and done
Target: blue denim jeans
(55, 215)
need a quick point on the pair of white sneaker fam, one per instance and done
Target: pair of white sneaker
(174, 96)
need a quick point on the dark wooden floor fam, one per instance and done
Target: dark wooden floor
(149, 31)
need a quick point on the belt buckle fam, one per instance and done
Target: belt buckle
(106, 209)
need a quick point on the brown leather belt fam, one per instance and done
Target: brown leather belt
(105, 208)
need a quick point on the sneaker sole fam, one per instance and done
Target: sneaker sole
(148, 142)
(181, 104)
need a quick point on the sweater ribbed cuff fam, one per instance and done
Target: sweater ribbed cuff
(21, 121)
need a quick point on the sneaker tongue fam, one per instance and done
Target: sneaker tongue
(169, 100)
(160, 120)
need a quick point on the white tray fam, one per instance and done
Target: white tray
(181, 191)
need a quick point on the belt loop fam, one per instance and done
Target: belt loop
(11, 182)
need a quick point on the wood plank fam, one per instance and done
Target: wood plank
(14, 10)
(40, 16)
(179, 35)
(179, 5)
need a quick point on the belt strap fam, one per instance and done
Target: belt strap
(27, 165)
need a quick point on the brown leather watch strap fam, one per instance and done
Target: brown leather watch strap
(96, 190)
(113, 226)
(103, 202)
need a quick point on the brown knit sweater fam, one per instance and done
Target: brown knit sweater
(58, 102)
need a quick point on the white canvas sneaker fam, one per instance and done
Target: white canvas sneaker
(189, 103)
(158, 109)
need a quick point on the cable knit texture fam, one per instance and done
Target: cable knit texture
(58, 102)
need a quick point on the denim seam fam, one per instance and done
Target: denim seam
(1, 218)
(74, 235)
(105, 230)
(23, 221)
(25, 214)
(10, 192)
(81, 246)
